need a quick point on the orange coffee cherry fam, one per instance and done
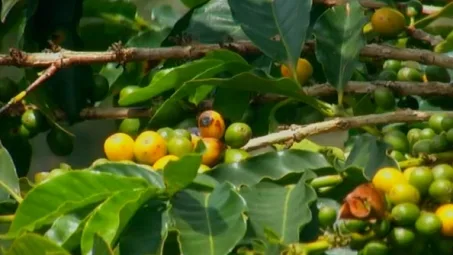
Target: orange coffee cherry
(149, 147)
(304, 70)
(211, 124)
(388, 22)
(213, 152)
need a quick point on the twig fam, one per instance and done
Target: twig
(297, 133)
(399, 87)
(422, 56)
(358, 87)
(51, 70)
(427, 159)
(423, 36)
(353, 87)
(113, 113)
(67, 58)
(94, 113)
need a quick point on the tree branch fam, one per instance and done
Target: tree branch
(358, 87)
(422, 56)
(95, 113)
(353, 87)
(421, 35)
(399, 87)
(51, 70)
(67, 58)
(297, 133)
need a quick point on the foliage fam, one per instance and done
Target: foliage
(266, 201)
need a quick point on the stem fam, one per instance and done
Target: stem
(297, 133)
(355, 87)
(367, 128)
(427, 159)
(16, 197)
(442, 156)
(11, 192)
(326, 109)
(7, 218)
(50, 71)
(316, 247)
(410, 163)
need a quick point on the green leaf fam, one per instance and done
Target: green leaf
(112, 72)
(444, 46)
(278, 28)
(130, 169)
(180, 173)
(192, 3)
(273, 165)
(438, 23)
(228, 56)
(147, 230)
(352, 177)
(95, 8)
(165, 15)
(283, 209)
(31, 243)
(259, 120)
(147, 39)
(339, 39)
(9, 181)
(426, 105)
(13, 30)
(328, 151)
(165, 113)
(172, 79)
(322, 202)
(210, 222)
(115, 74)
(282, 107)
(369, 153)
(270, 236)
(7, 5)
(364, 105)
(67, 229)
(204, 181)
(25, 185)
(111, 217)
(209, 23)
(116, 18)
(101, 247)
(65, 193)
(246, 81)
(232, 110)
